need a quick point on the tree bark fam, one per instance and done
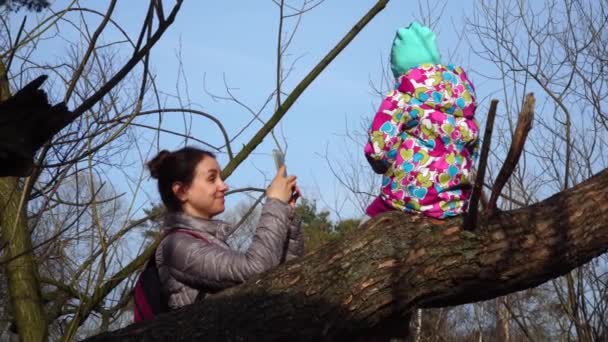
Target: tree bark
(27, 121)
(395, 263)
(503, 329)
(16, 245)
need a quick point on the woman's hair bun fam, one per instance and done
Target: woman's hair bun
(156, 164)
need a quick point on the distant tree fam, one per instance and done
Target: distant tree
(316, 225)
(345, 226)
(31, 5)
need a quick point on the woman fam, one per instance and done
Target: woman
(196, 260)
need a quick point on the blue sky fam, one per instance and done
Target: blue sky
(237, 40)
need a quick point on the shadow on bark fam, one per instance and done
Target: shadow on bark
(296, 318)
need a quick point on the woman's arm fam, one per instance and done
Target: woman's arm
(197, 263)
(295, 240)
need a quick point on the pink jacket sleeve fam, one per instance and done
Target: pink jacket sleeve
(384, 134)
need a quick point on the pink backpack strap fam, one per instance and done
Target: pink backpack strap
(148, 298)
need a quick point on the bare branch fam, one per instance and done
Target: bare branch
(87, 55)
(299, 89)
(524, 123)
(471, 218)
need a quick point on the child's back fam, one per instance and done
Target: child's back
(423, 138)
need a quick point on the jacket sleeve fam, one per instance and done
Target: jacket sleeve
(199, 264)
(384, 134)
(469, 132)
(295, 240)
(474, 148)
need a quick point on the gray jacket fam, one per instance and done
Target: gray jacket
(187, 265)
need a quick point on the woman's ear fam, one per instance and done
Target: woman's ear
(180, 191)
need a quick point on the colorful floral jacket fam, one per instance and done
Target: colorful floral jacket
(424, 139)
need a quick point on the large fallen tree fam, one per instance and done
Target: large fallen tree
(395, 263)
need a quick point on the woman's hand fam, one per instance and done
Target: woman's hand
(294, 197)
(281, 187)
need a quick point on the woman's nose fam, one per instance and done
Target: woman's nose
(223, 187)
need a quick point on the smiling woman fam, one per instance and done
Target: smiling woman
(199, 261)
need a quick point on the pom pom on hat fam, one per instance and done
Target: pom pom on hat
(412, 46)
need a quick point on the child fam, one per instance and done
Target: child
(423, 137)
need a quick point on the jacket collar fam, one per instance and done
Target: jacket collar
(219, 229)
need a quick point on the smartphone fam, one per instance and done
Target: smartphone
(279, 160)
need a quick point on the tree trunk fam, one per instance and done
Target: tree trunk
(21, 270)
(392, 265)
(502, 319)
(27, 121)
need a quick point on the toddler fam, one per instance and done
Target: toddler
(424, 137)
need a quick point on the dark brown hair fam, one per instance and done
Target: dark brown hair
(177, 166)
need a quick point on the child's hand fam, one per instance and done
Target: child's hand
(378, 166)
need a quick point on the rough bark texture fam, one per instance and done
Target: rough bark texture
(393, 264)
(22, 273)
(27, 121)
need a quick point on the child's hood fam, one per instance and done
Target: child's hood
(442, 87)
(412, 46)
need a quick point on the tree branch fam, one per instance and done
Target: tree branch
(93, 99)
(299, 89)
(471, 219)
(354, 285)
(89, 52)
(524, 123)
(101, 292)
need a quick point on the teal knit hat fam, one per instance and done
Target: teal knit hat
(413, 45)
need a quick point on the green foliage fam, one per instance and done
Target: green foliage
(318, 227)
(307, 211)
(345, 226)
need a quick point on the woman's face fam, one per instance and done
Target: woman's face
(204, 197)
